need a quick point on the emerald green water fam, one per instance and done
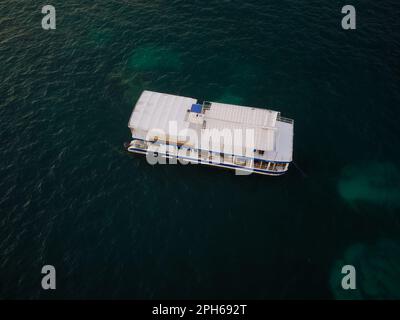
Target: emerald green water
(115, 227)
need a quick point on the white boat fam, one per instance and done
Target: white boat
(245, 139)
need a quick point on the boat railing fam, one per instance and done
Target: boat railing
(283, 119)
(211, 158)
(271, 166)
(206, 106)
(139, 144)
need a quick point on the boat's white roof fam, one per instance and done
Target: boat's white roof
(154, 111)
(262, 121)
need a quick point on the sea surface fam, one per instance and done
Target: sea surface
(114, 226)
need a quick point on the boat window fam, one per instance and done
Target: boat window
(272, 166)
(240, 161)
(228, 158)
(280, 166)
(204, 154)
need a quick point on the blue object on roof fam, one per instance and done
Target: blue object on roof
(196, 108)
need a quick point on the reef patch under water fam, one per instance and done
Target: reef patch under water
(377, 271)
(148, 58)
(375, 183)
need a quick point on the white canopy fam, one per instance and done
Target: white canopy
(155, 110)
(259, 121)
